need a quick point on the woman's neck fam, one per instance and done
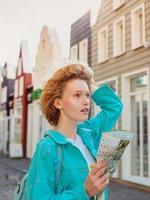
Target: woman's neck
(67, 132)
(67, 127)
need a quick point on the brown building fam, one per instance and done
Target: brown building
(121, 57)
(80, 39)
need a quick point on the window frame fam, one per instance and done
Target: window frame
(82, 42)
(21, 86)
(4, 95)
(100, 58)
(19, 71)
(16, 89)
(116, 52)
(134, 44)
(71, 51)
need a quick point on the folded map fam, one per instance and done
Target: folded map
(111, 148)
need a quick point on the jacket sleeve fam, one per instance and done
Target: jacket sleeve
(42, 180)
(111, 108)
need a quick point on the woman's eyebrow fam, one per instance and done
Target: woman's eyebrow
(87, 91)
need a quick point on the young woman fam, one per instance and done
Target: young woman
(65, 103)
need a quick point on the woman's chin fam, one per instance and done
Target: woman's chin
(83, 118)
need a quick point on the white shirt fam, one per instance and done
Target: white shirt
(77, 142)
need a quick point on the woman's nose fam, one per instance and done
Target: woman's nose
(86, 100)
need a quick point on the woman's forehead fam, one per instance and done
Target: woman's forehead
(77, 85)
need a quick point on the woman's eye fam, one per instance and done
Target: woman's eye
(77, 95)
(88, 95)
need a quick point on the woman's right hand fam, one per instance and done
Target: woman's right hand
(96, 180)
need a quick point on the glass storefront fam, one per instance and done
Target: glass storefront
(139, 125)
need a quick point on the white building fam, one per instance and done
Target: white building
(6, 88)
(48, 55)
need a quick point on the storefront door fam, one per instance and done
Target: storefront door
(16, 147)
(30, 131)
(4, 134)
(136, 167)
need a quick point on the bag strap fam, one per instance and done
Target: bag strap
(59, 163)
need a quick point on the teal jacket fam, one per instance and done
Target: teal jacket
(74, 169)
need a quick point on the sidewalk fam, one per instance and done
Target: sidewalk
(15, 163)
(11, 170)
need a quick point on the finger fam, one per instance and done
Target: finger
(103, 182)
(97, 167)
(103, 185)
(100, 172)
(103, 179)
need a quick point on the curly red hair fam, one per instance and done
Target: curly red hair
(55, 86)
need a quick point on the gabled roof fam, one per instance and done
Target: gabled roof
(24, 55)
(95, 12)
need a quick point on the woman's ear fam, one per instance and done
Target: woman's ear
(57, 103)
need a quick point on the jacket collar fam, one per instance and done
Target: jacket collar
(87, 138)
(57, 136)
(61, 139)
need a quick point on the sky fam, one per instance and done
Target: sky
(24, 19)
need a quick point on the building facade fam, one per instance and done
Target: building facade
(47, 58)
(80, 39)
(23, 79)
(121, 57)
(7, 88)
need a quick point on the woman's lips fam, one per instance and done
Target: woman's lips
(85, 110)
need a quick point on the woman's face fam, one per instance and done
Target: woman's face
(75, 100)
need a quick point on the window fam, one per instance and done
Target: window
(138, 27)
(117, 3)
(16, 88)
(21, 86)
(119, 37)
(11, 112)
(0, 94)
(103, 45)
(19, 67)
(4, 72)
(74, 52)
(83, 50)
(19, 111)
(4, 95)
